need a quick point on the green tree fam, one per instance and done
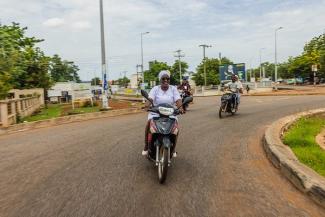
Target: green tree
(174, 70)
(21, 63)
(314, 53)
(34, 73)
(63, 70)
(123, 81)
(154, 68)
(283, 71)
(95, 81)
(212, 71)
(300, 66)
(322, 62)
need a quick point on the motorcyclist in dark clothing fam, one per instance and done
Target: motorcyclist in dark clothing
(185, 87)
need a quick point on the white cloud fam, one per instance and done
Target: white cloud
(81, 25)
(54, 22)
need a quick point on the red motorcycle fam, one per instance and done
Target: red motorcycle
(164, 131)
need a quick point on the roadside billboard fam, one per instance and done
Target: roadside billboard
(226, 71)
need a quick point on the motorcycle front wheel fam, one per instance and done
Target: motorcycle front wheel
(222, 110)
(163, 164)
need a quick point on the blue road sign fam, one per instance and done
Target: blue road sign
(226, 71)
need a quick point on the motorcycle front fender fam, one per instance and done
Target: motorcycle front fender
(166, 142)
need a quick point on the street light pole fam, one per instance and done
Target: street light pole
(138, 66)
(276, 57)
(143, 33)
(204, 46)
(104, 72)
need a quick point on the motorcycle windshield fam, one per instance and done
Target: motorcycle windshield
(164, 125)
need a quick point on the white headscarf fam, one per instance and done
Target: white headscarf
(163, 73)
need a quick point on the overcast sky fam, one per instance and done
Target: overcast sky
(237, 29)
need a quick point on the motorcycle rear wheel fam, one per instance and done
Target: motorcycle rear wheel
(163, 165)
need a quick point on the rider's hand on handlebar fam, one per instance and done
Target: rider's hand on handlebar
(181, 110)
(146, 107)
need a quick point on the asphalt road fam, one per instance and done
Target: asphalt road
(94, 168)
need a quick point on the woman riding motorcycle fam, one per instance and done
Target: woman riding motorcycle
(163, 93)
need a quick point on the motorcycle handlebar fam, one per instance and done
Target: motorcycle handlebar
(155, 110)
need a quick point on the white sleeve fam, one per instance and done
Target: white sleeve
(152, 93)
(240, 85)
(176, 94)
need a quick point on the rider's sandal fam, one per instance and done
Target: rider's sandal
(144, 153)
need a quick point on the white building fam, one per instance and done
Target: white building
(67, 91)
(133, 80)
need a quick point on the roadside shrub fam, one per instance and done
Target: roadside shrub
(96, 103)
(87, 104)
(74, 112)
(19, 119)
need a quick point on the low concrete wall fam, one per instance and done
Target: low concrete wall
(38, 91)
(282, 157)
(66, 119)
(10, 109)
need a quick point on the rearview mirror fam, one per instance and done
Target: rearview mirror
(145, 95)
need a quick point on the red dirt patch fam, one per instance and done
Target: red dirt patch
(121, 104)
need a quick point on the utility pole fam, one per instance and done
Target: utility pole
(104, 72)
(142, 71)
(179, 55)
(261, 63)
(204, 46)
(138, 66)
(276, 58)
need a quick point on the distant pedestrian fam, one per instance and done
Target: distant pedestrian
(247, 88)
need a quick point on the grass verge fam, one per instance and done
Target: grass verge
(56, 110)
(53, 111)
(301, 138)
(59, 110)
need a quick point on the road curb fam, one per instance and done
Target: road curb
(288, 94)
(282, 157)
(66, 119)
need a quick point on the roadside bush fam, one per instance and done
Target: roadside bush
(96, 103)
(87, 104)
(19, 119)
(74, 112)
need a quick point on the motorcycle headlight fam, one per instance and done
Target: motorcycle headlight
(166, 111)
